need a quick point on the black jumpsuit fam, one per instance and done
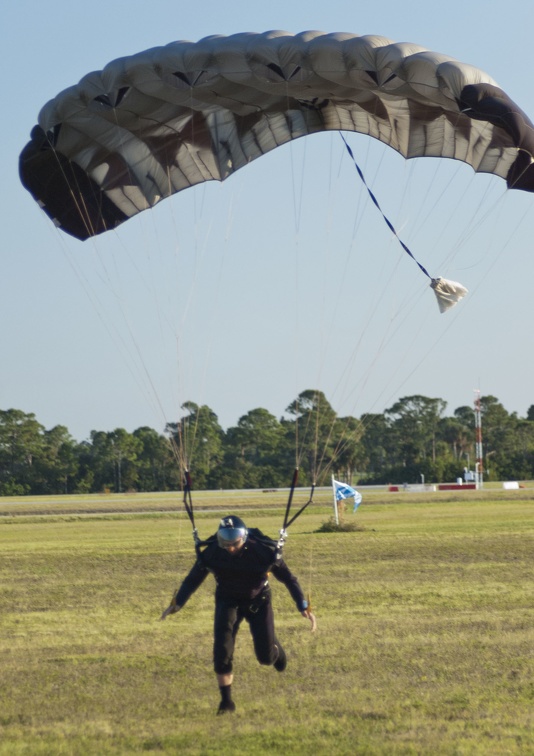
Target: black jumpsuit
(242, 592)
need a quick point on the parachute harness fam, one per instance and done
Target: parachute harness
(448, 293)
(188, 505)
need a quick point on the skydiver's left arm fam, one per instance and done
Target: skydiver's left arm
(281, 572)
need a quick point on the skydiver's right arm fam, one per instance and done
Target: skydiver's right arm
(195, 578)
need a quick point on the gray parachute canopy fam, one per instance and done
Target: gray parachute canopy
(152, 124)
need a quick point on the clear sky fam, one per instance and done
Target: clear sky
(241, 295)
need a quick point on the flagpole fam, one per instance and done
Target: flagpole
(336, 513)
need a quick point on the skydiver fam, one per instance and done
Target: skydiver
(240, 560)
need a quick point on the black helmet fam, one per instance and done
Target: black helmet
(231, 529)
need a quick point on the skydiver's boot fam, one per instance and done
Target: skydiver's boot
(281, 660)
(226, 706)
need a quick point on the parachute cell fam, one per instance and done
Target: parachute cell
(153, 124)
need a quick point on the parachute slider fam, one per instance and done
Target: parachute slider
(448, 293)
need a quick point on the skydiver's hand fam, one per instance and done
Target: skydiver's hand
(309, 615)
(171, 609)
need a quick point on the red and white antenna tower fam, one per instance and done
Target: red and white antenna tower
(479, 475)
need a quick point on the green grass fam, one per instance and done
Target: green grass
(424, 646)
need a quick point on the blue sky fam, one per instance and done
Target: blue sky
(283, 278)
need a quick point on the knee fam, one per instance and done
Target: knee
(223, 667)
(267, 656)
(222, 659)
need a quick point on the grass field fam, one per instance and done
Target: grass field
(424, 646)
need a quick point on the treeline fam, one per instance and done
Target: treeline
(411, 439)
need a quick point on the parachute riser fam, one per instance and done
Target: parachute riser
(301, 510)
(188, 504)
(287, 521)
(290, 497)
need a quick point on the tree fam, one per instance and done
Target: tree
(59, 463)
(157, 466)
(507, 442)
(497, 428)
(349, 452)
(198, 437)
(258, 435)
(410, 439)
(21, 443)
(375, 446)
(101, 461)
(415, 421)
(113, 459)
(254, 450)
(124, 450)
(313, 428)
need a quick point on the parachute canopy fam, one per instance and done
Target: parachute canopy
(152, 124)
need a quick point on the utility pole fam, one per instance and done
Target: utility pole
(479, 468)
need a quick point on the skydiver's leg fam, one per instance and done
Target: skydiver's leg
(226, 704)
(266, 645)
(226, 625)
